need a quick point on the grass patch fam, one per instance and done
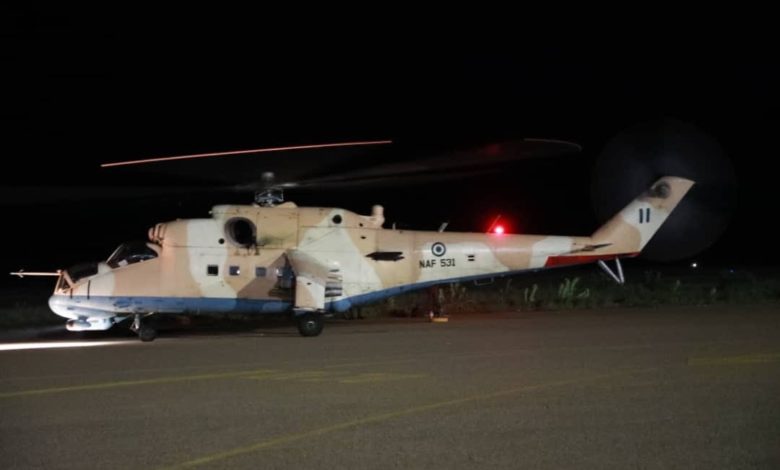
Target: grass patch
(587, 288)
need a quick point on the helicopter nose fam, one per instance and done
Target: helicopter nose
(63, 306)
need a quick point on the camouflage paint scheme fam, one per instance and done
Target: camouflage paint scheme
(305, 259)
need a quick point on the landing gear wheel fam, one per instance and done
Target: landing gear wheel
(144, 331)
(310, 324)
(147, 333)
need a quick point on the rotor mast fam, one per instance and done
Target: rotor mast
(269, 195)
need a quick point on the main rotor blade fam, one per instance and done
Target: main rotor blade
(244, 152)
(22, 196)
(404, 169)
(452, 165)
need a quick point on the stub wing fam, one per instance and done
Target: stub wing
(314, 281)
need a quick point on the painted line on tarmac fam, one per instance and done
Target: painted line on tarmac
(379, 418)
(336, 376)
(760, 358)
(379, 377)
(132, 383)
(257, 374)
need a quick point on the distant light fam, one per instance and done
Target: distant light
(694, 265)
(499, 230)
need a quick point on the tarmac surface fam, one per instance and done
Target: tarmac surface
(695, 387)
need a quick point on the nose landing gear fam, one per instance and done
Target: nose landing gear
(142, 328)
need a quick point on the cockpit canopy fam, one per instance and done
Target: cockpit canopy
(130, 253)
(80, 271)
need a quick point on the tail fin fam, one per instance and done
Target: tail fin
(632, 228)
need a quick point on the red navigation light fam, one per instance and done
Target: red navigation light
(499, 230)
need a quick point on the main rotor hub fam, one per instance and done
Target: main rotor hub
(269, 197)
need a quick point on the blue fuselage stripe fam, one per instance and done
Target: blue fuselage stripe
(125, 305)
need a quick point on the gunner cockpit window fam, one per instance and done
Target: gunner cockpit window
(130, 253)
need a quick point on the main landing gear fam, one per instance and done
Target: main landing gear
(310, 324)
(143, 329)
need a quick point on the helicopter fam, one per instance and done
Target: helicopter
(274, 257)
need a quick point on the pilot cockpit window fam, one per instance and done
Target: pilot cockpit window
(130, 253)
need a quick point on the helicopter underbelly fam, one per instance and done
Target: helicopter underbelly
(107, 307)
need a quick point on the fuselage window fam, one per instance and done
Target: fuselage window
(234, 270)
(212, 270)
(260, 272)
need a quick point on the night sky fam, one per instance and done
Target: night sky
(81, 91)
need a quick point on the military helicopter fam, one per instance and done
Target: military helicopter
(273, 257)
